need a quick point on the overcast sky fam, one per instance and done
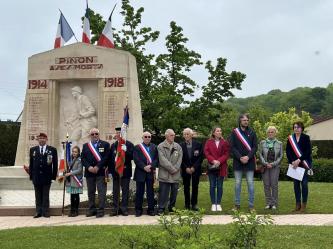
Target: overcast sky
(277, 44)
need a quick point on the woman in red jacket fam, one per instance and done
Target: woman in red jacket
(217, 153)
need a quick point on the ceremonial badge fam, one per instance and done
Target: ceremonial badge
(49, 159)
(196, 153)
(101, 149)
(34, 154)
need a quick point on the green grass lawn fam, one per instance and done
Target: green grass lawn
(319, 201)
(108, 236)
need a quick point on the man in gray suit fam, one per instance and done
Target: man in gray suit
(170, 156)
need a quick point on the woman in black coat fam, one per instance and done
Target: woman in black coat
(299, 155)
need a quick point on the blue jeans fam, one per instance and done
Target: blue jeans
(215, 182)
(238, 186)
(301, 192)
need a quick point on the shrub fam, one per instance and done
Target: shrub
(246, 228)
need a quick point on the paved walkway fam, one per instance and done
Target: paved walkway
(27, 221)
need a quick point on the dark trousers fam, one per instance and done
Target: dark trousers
(75, 201)
(122, 183)
(92, 183)
(193, 200)
(301, 189)
(166, 189)
(42, 197)
(140, 190)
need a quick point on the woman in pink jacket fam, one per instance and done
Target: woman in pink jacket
(217, 153)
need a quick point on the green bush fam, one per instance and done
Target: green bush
(8, 142)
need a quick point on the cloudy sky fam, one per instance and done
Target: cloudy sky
(277, 44)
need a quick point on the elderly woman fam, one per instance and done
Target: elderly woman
(270, 153)
(217, 153)
(299, 155)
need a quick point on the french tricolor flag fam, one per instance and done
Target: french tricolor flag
(86, 27)
(64, 32)
(106, 38)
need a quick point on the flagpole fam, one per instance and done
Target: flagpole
(69, 26)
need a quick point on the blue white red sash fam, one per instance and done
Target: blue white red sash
(145, 153)
(79, 183)
(94, 151)
(294, 145)
(243, 140)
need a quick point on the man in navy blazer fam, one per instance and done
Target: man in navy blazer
(124, 181)
(43, 169)
(191, 168)
(93, 157)
(146, 160)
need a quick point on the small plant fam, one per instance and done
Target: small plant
(246, 229)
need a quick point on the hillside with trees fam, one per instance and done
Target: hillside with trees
(318, 101)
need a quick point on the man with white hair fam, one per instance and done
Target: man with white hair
(191, 168)
(170, 156)
(146, 160)
(94, 155)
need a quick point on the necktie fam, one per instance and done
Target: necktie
(41, 150)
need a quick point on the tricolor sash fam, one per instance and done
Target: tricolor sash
(94, 151)
(78, 182)
(294, 145)
(243, 139)
(145, 153)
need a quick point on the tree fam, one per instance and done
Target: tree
(96, 25)
(283, 121)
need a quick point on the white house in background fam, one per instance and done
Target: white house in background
(321, 129)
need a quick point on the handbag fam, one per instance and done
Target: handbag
(213, 167)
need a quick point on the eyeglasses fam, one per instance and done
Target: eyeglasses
(94, 134)
(147, 136)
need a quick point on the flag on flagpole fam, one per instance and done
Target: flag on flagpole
(120, 156)
(66, 158)
(106, 38)
(86, 27)
(64, 32)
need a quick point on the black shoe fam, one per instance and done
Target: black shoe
(100, 214)
(138, 213)
(160, 212)
(195, 208)
(46, 215)
(170, 209)
(37, 216)
(151, 213)
(71, 214)
(187, 207)
(89, 214)
(124, 213)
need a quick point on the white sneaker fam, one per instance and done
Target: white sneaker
(218, 208)
(213, 209)
(274, 207)
(268, 207)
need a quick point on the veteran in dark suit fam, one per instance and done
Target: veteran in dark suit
(146, 160)
(124, 181)
(93, 157)
(43, 169)
(191, 168)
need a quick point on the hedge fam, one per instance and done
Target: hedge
(323, 170)
(325, 148)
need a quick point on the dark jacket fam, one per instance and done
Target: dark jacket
(128, 160)
(43, 168)
(304, 145)
(195, 160)
(220, 154)
(238, 150)
(88, 158)
(140, 175)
